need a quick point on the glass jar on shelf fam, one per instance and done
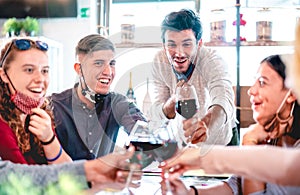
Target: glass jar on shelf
(127, 29)
(218, 26)
(264, 25)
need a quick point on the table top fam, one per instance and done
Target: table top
(150, 183)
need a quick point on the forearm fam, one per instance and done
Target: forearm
(239, 161)
(252, 186)
(221, 188)
(52, 151)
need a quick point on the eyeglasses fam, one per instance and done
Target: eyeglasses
(24, 44)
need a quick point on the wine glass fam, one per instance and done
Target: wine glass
(187, 103)
(153, 141)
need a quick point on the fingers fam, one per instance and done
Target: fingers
(130, 152)
(195, 130)
(40, 124)
(169, 107)
(199, 136)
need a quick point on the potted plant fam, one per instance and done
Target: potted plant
(30, 26)
(12, 27)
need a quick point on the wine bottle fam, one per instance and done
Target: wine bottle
(147, 100)
(130, 92)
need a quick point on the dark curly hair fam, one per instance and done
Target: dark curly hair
(182, 20)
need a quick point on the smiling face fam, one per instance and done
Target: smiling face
(28, 72)
(266, 94)
(98, 69)
(181, 48)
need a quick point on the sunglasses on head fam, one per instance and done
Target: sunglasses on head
(24, 44)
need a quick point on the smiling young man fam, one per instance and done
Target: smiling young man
(88, 116)
(184, 58)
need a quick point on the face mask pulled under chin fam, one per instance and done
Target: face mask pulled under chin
(89, 94)
(26, 103)
(278, 126)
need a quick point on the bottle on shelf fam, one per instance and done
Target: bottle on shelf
(130, 92)
(147, 101)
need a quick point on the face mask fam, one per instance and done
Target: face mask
(23, 102)
(26, 103)
(279, 126)
(89, 94)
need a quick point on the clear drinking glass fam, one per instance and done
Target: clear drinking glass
(153, 141)
(187, 103)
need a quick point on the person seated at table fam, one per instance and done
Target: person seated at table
(110, 171)
(89, 115)
(277, 124)
(26, 120)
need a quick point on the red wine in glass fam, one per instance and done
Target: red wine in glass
(147, 152)
(187, 101)
(186, 108)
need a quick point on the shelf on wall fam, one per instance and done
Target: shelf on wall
(210, 44)
(138, 45)
(251, 43)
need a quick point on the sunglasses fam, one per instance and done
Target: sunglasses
(24, 44)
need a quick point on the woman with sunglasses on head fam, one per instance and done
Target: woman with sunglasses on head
(276, 113)
(26, 121)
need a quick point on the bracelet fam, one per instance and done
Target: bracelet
(195, 189)
(48, 142)
(55, 158)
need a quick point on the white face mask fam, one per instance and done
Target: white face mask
(278, 126)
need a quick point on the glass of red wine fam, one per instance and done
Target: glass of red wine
(186, 101)
(152, 145)
(187, 104)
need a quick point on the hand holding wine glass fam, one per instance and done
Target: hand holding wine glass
(187, 105)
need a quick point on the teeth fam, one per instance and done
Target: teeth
(104, 81)
(36, 90)
(180, 61)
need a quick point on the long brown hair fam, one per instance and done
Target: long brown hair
(11, 114)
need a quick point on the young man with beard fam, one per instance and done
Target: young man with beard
(88, 116)
(184, 58)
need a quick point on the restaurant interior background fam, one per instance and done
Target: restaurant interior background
(106, 17)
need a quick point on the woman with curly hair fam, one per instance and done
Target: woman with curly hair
(26, 120)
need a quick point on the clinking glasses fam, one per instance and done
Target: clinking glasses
(24, 44)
